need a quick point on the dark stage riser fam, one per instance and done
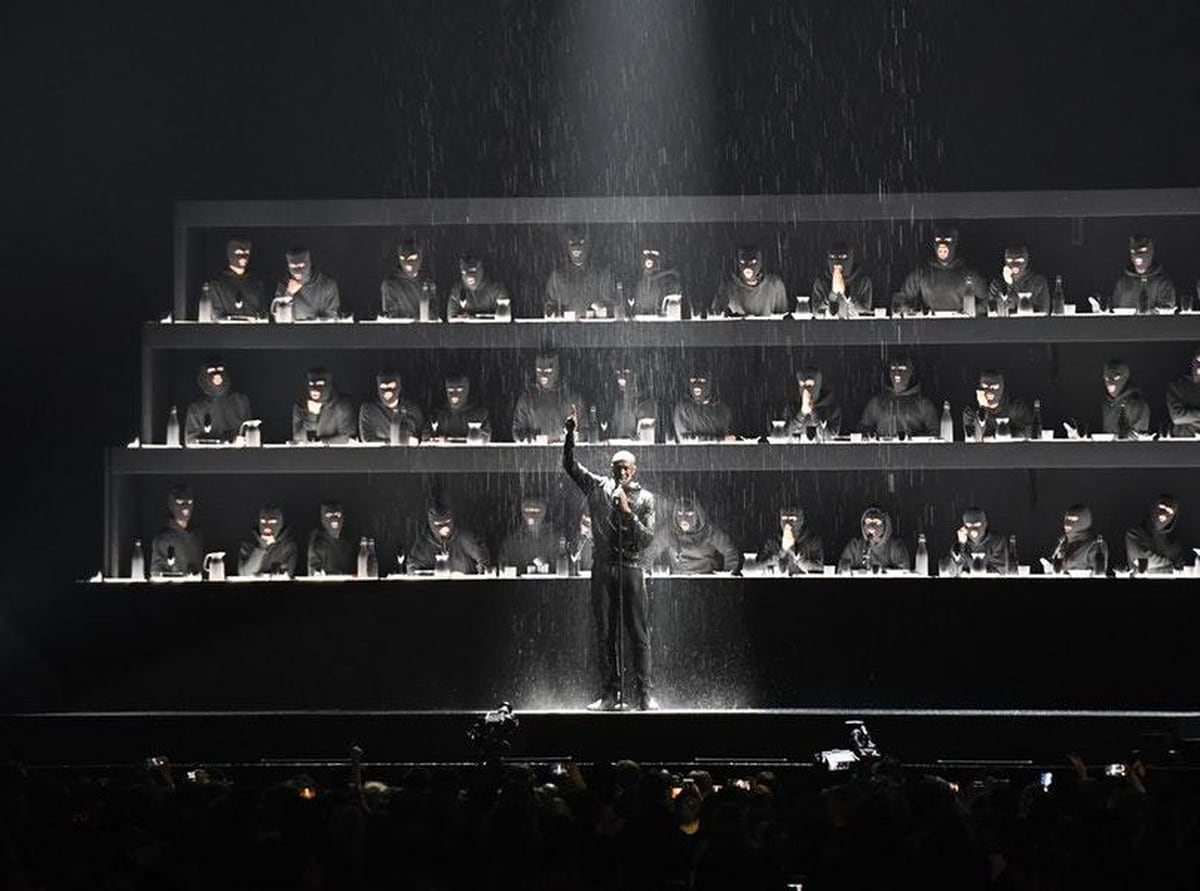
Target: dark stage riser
(717, 643)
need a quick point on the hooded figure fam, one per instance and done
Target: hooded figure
(178, 549)
(1079, 548)
(942, 283)
(407, 285)
(323, 415)
(1155, 542)
(875, 547)
(475, 294)
(692, 544)
(218, 415)
(796, 548)
(376, 419)
(533, 543)
(844, 290)
(454, 419)
(314, 294)
(579, 284)
(442, 535)
(1143, 284)
(1124, 410)
(330, 550)
(977, 548)
(235, 291)
(1017, 278)
(628, 406)
(541, 408)
(993, 403)
(1183, 400)
(899, 407)
(271, 550)
(654, 284)
(749, 290)
(700, 416)
(582, 546)
(816, 409)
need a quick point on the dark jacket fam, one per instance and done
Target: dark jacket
(1183, 405)
(186, 546)
(1004, 298)
(940, 288)
(887, 553)
(650, 289)
(463, 303)
(1081, 548)
(400, 296)
(522, 546)
(994, 548)
(467, 555)
(825, 410)
(889, 412)
(337, 421)
(1135, 406)
(577, 288)
(736, 298)
(857, 301)
(618, 538)
(332, 556)
(375, 421)
(454, 423)
(318, 299)
(255, 558)
(1020, 418)
(215, 417)
(1157, 545)
(237, 296)
(701, 421)
(1158, 291)
(542, 412)
(702, 549)
(807, 554)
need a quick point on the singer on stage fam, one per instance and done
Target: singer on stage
(622, 529)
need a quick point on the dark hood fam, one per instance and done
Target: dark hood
(465, 383)
(887, 525)
(911, 386)
(818, 379)
(1083, 525)
(205, 382)
(949, 233)
(327, 392)
(987, 379)
(300, 255)
(1152, 524)
(234, 245)
(976, 515)
(701, 526)
(801, 519)
(840, 252)
(630, 391)
(388, 377)
(1116, 371)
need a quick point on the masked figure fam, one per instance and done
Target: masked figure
(796, 548)
(330, 550)
(454, 419)
(464, 552)
(750, 290)
(271, 550)
(235, 291)
(944, 281)
(977, 548)
(700, 416)
(540, 409)
(178, 549)
(579, 284)
(218, 415)
(390, 412)
(844, 290)
(475, 294)
(314, 294)
(1125, 410)
(654, 285)
(323, 415)
(1183, 400)
(1079, 547)
(691, 543)
(1143, 284)
(900, 406)
(994, 409)
(815, 410)
(628, 405)
(403, 291)
(533, 543)
(1155, 542)
(876, 547)
(1017, 278)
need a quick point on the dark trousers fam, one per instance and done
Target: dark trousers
(612, 585)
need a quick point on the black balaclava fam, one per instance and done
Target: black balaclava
(627, 383)
(1074, 530)
(1141, 253)
(270, 517)
(208, 376)
(1116, 376)
(546, 371)
(651, 260)
(689, 514)
(947, 235)
(1162, 523)
(841, 254)
(387, 382)
(749, 264)
(320, 381)
(976, 522)
(300, 264)
(180, 504)
(459, 386)
(237, 253)
(700, 386)
(901, 373)
(810, 374)
(991, 381)
(409, 257)
(875, 533)
(441, 522)
(577, 247)
(1017, 260)
(794, 515)
(333, 518)
(470, 269)
(533, 513)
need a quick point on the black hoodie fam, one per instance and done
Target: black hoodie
(465, 551)
(523, 546)
(826, 409)
(885, 552)
(984, 420)
(401, 296)
(237, 296)
(903, 410)
(704, 548)
(737, 298)
(453, 422)
(255, 557)
(991, 545)
(336, 422)
(1080, 548)
(318, 297)
(807, 553)
(1128, 398)
(1159, 291)
(1156, 543)
(940, 287)
(652, 287)
(176, 551)
(857, 300)
(218, 415)
(375, 419)
(628, 407)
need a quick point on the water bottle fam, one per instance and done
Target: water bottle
(947, 428)
(1035, 426)
(423, 310)
(1101, 558)
(1058, 301)
(173, 428)
(564, 564)
(969, 298)
(1122, 422)
(593, 425)
(1143, 300)
(372, 560)
(137, 564)
(363, 558)
(921, 563)
(204, 311)
(393, 432)
(1012, 560)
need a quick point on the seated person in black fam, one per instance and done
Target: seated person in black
(629, 406)
(408, 285)
(1019, 288)
(1143, 284)
(1125, 410)
(391, 417)
(323, 415)
(581, 544)
(272, 550)
(700, 416)
(899, 408)
(816, 413)
(749, 290)
(218, 415)
(459, 416)
(654, 285)
(876, 547)
(1153, 546)
(580, 285)
(464, 552)
(475, 295)
(995, 410)
(1183, 400)
(540, 409)
(977, 548)
(690, 543)
(796, 549)
(944, 282)
(844, 290)
(533, 546)
(178, 549)
(330, 550)
(1079, 547)
(235, 291)
(313, 294)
